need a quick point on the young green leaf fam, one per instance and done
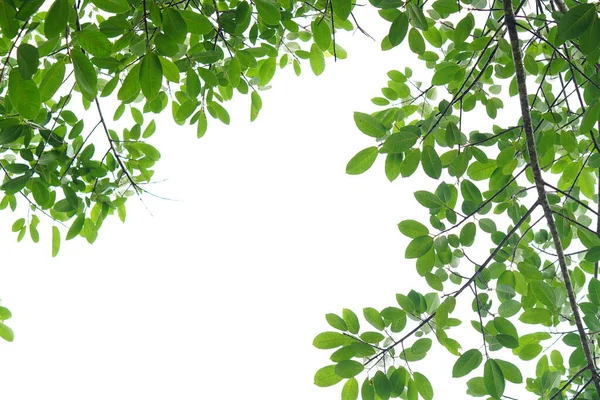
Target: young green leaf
(326, 376)
(493, 378)
(55, 241)
(150, 75)
(362, 161)
(350, 390)
(23, 94)
(467, 362)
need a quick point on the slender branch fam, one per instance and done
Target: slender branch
(511, 26)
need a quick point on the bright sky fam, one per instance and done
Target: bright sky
(220, 292)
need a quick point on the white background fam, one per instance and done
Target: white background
(219, 293)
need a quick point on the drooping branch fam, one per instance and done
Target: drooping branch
(511, 26)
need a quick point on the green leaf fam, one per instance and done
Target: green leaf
(28, 60)
(423, 386)
(351, 320)
(594, 291)
(342, 8)
(493, 378)
(23, 94)
(427, 199)
(398, 29)
(56, 19)
(393, 166)
(8, 21)
(544, 293)
(15, 185)
(173, 25)
(593, 254)
(444, 74)
(399, 142)
(267, 71)
(94, 42)
(55, 241)
(6, 333)
(467, 362)
(268, 12)
(367, 391)
(329, 340)
(317, 60)
(467, 234)
(374, 318)
(52, 81)
(369, 125)
(196, 22)
(417, 18)
(412, 229)
(382, 385)
(348, 368)
(576, 21)
(85, 74)
(416, 42)
(362, 161)
(326, 376)
(350, 390)
(432, 165)
(76, 227)
(510, 371)
(150, 75)
(464, 28)
(321, 33)
(336, 321)
(112, 6)
(590, 117)
(418, 247)
(536, 316)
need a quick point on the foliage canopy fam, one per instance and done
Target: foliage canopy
(526, 187)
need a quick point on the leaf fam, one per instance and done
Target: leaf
(76, 227)
(28, 60)
(342, 8)
(399, 142)
(398, 29)
(336, 321)
(412, 228)
(418, 247)
(52, 81)
(350, 390)
(536, 316)
(382, 385)
(112, 6)
(55, 241)
(594, 291)
(467, 362)
(196, 22)
(416, 42)
(173, 25)
(544, 293)
(444, 74)
(432, 165)
(15, 185)
(150, 75)
(317, 60)
(348, 368)
(267, 71)
(326, 376)
(329, 340)
(369, 125)
(427, 199)
(8, 21)
(576, 21)
(510, 371)
(423, 386)
(590, 117)
(367, 391)
(94, 42)
(85, 74)
(464, 28)
(362, 161)
(374, 318)
(393, 166)
(6, 333)
(24, 95)
(593, 254)
(467, 234)
(351, 320)
(417, 18)
(321, 33)
(493, 378)
(56, 18)
(268, 12)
